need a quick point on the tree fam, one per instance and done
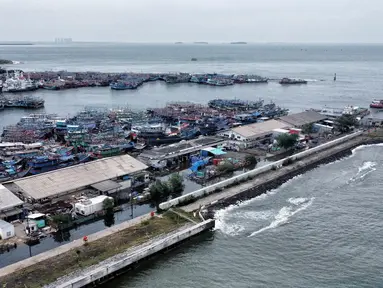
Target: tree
(159, 192)
(250, 159)
(307, 129)
(345, 122)
(287, 141)
(176, 185)
(108, 205)
(225, 167)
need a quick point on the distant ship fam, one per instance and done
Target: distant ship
(122, 86)
(18, 83)
(289, 81)
(377, 104)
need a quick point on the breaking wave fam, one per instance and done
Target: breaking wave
(17, 62)
(286, 213)
(364, 170)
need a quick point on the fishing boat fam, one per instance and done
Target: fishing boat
(43, 164)
(18, 83)
(121, 86)
(377, 104)
(235, 104)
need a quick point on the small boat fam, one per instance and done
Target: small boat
(377, 104)
(194, 59)
(122, 86)
(289, 81)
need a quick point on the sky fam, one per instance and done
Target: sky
(157, 21)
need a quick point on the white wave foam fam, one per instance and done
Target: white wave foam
(16, 62)
(364, 170)
(367, 165)
(365, 146)
(297, 201)
(285, 214)
(222, 215)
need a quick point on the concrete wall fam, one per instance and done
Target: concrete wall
(137, 255)
(245, 176)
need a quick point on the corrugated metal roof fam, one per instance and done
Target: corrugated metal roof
(68, 179)
(8, 199)
(255, 129)
(106, 185)
(303, 118)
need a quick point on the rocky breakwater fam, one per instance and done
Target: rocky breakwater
(5, 62)
(290, 169)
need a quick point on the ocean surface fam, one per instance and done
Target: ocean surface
(321, 229)
(359, 71)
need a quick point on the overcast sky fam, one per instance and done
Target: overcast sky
(193, 20)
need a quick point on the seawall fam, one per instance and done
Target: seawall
(299, 169)
(111, 268)
(257, 176)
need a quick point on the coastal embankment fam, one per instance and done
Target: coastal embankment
(105, 254)
(260, 180)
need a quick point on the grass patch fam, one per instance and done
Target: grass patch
(188, 215)
(48, 271)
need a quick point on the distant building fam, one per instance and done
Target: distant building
(63, 40)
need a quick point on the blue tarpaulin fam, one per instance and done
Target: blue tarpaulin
(199, 163)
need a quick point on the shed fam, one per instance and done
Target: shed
(9, 203)
(304, 118)
(7, 230)
(67, 180)
(106, 186)
(212, 151)
(256, 130)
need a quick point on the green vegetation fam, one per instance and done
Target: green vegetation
(108, 205)
(59, 220)
(251, 160)
(307, 129)
(176, 185)
(38, 275)
(346, 122)
(225, 167)
(287, 141)
(161, 191)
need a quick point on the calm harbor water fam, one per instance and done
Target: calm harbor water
(321, 229)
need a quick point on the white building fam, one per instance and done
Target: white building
(91, 206)
(7, 230)
(248, 136)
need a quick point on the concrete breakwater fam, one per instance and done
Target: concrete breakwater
(105, 254)
(301, 168)
(111, 268)
(258, 176)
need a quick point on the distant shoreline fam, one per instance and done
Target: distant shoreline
(17, 44)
